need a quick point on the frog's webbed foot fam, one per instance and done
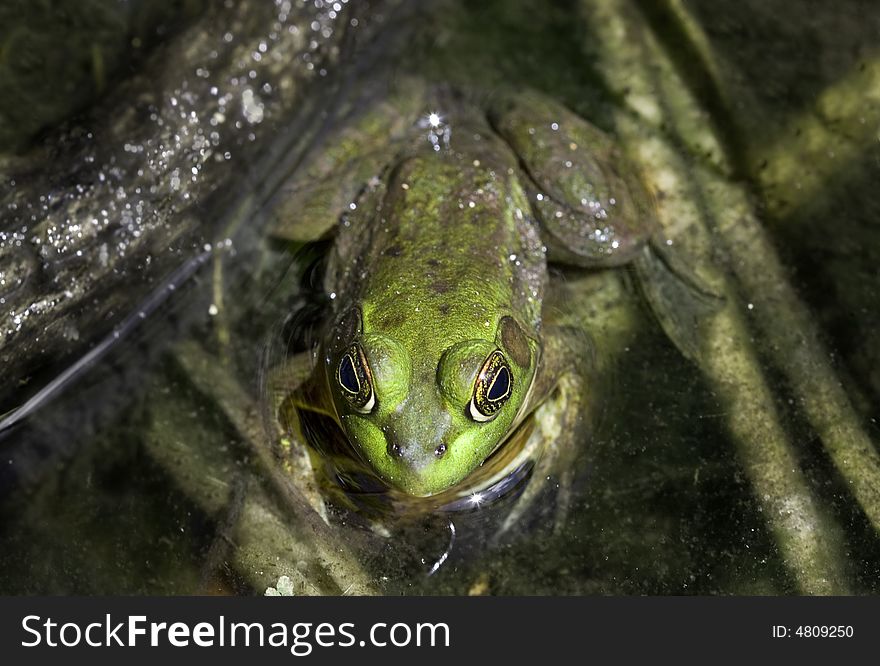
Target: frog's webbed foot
(678, 298)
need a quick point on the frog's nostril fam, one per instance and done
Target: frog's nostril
(440, 450)
(394, 450)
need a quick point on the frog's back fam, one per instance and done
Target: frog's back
(447, 239)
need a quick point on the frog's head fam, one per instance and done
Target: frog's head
(424, 419)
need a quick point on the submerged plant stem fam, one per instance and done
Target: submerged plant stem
(712, 218)
(791, 334)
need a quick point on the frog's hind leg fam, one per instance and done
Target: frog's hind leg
(595, 211)
(308, 205)
(588, 199)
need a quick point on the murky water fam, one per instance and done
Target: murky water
(140, 475)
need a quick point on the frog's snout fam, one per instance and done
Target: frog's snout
(395, 450)
(415, 465)
(421, 462)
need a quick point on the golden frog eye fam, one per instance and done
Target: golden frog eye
(492, 389)
(354, 378)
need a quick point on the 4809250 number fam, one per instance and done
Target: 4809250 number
(824, 631)
(814, 631)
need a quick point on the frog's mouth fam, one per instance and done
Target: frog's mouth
(347, 476)
(504, 473)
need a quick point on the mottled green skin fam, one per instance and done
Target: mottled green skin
(432, 276)
(443, 260)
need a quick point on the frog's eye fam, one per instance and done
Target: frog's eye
(354, 378)
(492, 389)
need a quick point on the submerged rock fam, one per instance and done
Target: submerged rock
(160, 171)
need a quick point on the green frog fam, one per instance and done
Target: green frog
(438, 358)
